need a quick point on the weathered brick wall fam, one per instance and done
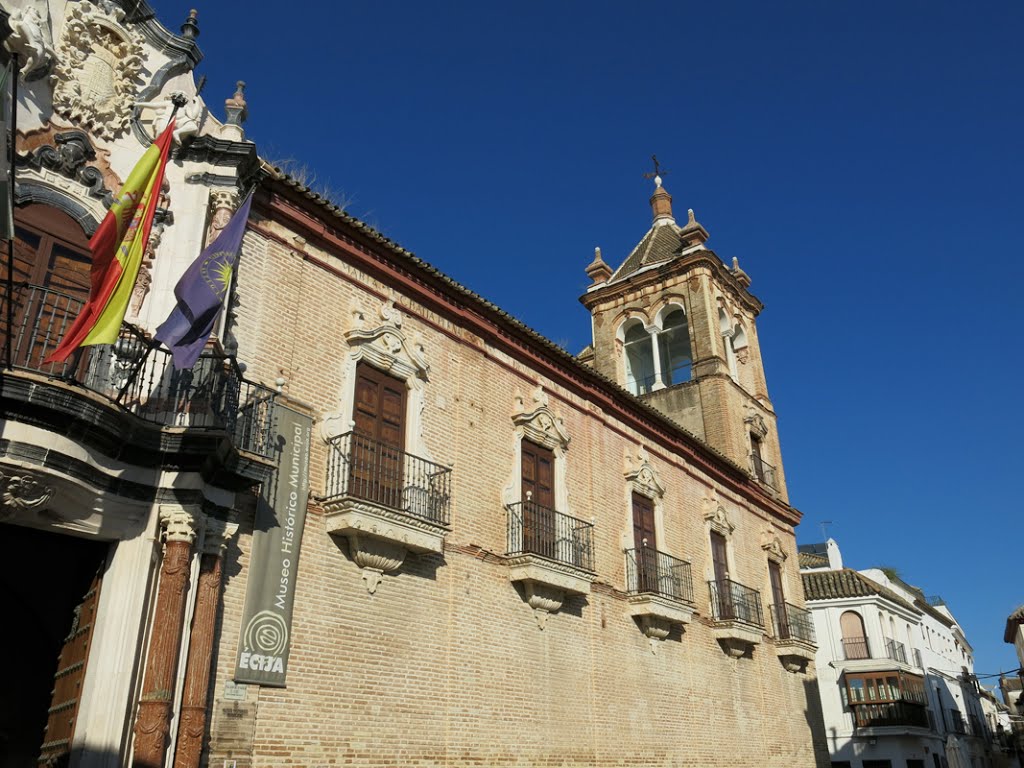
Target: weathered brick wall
(445, 663)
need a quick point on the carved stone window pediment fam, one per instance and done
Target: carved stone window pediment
(755, 422)
(716, 516)
(538, 423)
(772, 545)
(642, 475)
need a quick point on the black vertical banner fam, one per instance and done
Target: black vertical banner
(280, 516)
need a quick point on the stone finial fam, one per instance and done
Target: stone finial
(741, 277)
(235, 107)
(598, 270)
(661, 203)
(693, 233)
(190, 29)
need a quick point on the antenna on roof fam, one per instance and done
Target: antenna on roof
(824, 528)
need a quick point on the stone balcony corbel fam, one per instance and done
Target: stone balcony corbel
(379, 537)
(547, 583)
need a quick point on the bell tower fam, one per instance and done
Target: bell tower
(676, 327)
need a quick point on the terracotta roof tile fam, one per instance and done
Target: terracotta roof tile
(831, 585)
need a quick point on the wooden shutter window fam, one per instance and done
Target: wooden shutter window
(378, 442)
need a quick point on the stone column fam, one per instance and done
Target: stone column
(192, 719)
(152, 725)
(659, 382)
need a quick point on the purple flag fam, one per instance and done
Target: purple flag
(200, 293)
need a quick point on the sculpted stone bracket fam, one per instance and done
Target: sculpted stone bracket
(380, 538)
(547, 583)
(794, 654)
(655, 615)
(737, 638)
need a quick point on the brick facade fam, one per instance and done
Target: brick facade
(445, 662)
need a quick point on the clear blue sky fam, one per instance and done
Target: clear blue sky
(863, 160)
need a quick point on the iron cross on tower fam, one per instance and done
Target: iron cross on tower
(658, 170)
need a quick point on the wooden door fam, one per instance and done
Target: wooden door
(378, 439)
(67, 682)
(646, 544)
(538, 495)
(722, 585)
(52, 266)
(778, 599)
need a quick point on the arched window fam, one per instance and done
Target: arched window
(855, 640)
(639, 358)
(674, 348)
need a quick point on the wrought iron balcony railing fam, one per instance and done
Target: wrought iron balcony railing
(364, 468)
(537, 530)
(955, 722)
(896, 651)
(793, 623)
(138, 376)
(890, 713)
(763, 471)
(651, 571)
(732, 601)
(856, 648)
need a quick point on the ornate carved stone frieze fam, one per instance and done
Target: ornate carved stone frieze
(99, 64)
(22, 492)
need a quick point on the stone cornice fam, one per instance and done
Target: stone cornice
(349, 240)
(141, 14)
(678, 267)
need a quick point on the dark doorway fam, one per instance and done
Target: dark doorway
(47, 580)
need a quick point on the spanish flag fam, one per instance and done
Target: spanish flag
(117, 248)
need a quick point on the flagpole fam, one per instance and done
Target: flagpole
(178, 100)
(12, 155)
(233, 285)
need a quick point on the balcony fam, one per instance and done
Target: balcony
(896, 651)
(386, 502)
(551, 554)
(738, 619)
(794, 636)
(136, 376)
(955, 722)
(890, 714)
(660, 591)
(763, 471)
(856, 648)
